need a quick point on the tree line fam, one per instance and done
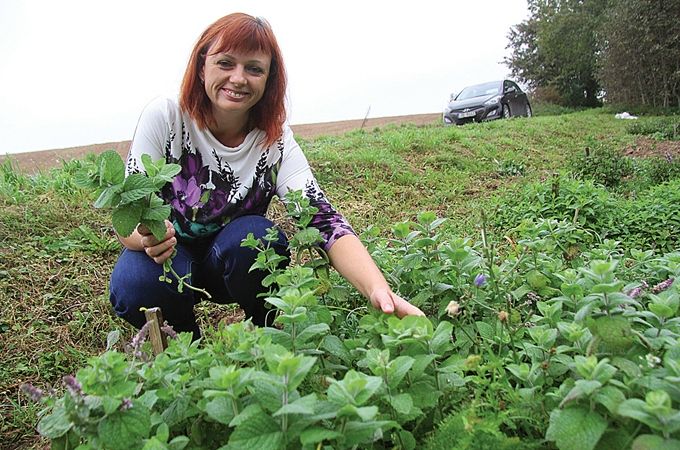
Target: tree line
(583, 52)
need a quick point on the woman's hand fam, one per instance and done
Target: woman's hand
(158, 250)
(389, 302)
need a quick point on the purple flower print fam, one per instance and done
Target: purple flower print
(187, 194)
(185, 191)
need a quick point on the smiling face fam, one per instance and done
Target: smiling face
(234, 82)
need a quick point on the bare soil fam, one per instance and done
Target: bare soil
(645, 147)
(32, 162)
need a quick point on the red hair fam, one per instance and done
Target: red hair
(240, 33)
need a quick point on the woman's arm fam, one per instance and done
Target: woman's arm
(351, 259)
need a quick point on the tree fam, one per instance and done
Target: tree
(557, 47)
(640, 57)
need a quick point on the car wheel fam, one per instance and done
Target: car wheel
(529, 111)
(506, 112)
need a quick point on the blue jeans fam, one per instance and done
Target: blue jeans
(219, 265)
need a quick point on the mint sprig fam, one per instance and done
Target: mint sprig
(134, 200)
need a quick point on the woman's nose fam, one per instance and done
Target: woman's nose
(238, 75)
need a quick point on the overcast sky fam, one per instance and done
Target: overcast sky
(79, 72)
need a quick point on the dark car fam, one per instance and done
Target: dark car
(487, 101)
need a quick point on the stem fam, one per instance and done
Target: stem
(193, 288)
(392, 412)
(512, 343)
(284, 401)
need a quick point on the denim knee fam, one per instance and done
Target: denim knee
(135, 284)
(232, 262)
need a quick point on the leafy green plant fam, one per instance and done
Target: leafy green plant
(656, 127)
(603, 165)
(134, 200)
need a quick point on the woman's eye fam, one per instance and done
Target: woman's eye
(225, 63)
(256, 70)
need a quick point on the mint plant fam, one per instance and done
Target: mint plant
(559, 352)
(134, 200)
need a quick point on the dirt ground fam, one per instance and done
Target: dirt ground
(31, 162)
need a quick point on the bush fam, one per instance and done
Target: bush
(662, 128)
(602, 165)
(652, 219)
(661, 169)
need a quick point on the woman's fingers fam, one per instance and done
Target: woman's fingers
(158, 250)
(160, 259)
(403, 308)
(389, 302)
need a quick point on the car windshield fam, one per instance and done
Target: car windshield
(480, 90)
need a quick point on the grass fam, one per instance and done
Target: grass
(56, 251)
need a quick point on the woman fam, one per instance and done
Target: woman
(228, 133)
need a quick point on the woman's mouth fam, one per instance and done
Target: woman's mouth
(234, 94)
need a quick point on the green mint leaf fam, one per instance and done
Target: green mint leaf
(112, 339)
(575, 428)
(260, 432)
(149, 166)
(311, 331)
(55, 425)
(220, 409)
(123, 430)
(109, 197)
(135, 187)
(653, 442)
(402, 403)
(397, 369)
(304, 405)
(168, 171)
(635, 409)
(315, 435)
(154, 213)
(178, 443)
(441, 340)
(157, 227)
(111, 168)
(86, 180)
(125, 219)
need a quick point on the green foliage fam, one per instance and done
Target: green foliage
(639, 37)
(650, 219)
(603, 165)
(584, 50)
(132, 198)
(660, 128)
(660, 170)
(556, 47)
(555, 317)
(465, 431)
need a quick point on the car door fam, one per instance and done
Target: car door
(520, 100)
(510, 96)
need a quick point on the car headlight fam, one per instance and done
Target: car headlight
(492, 101)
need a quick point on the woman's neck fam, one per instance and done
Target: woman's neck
(230, 131)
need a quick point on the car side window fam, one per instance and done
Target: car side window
(515, 86)
(506, 86)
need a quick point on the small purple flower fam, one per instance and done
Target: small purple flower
(532, 298)
(139, 339)
(663, 286)
(33, 392)
(73, 386)
(168, 330)
(635, 293)
(126, 404)
(480, 280)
